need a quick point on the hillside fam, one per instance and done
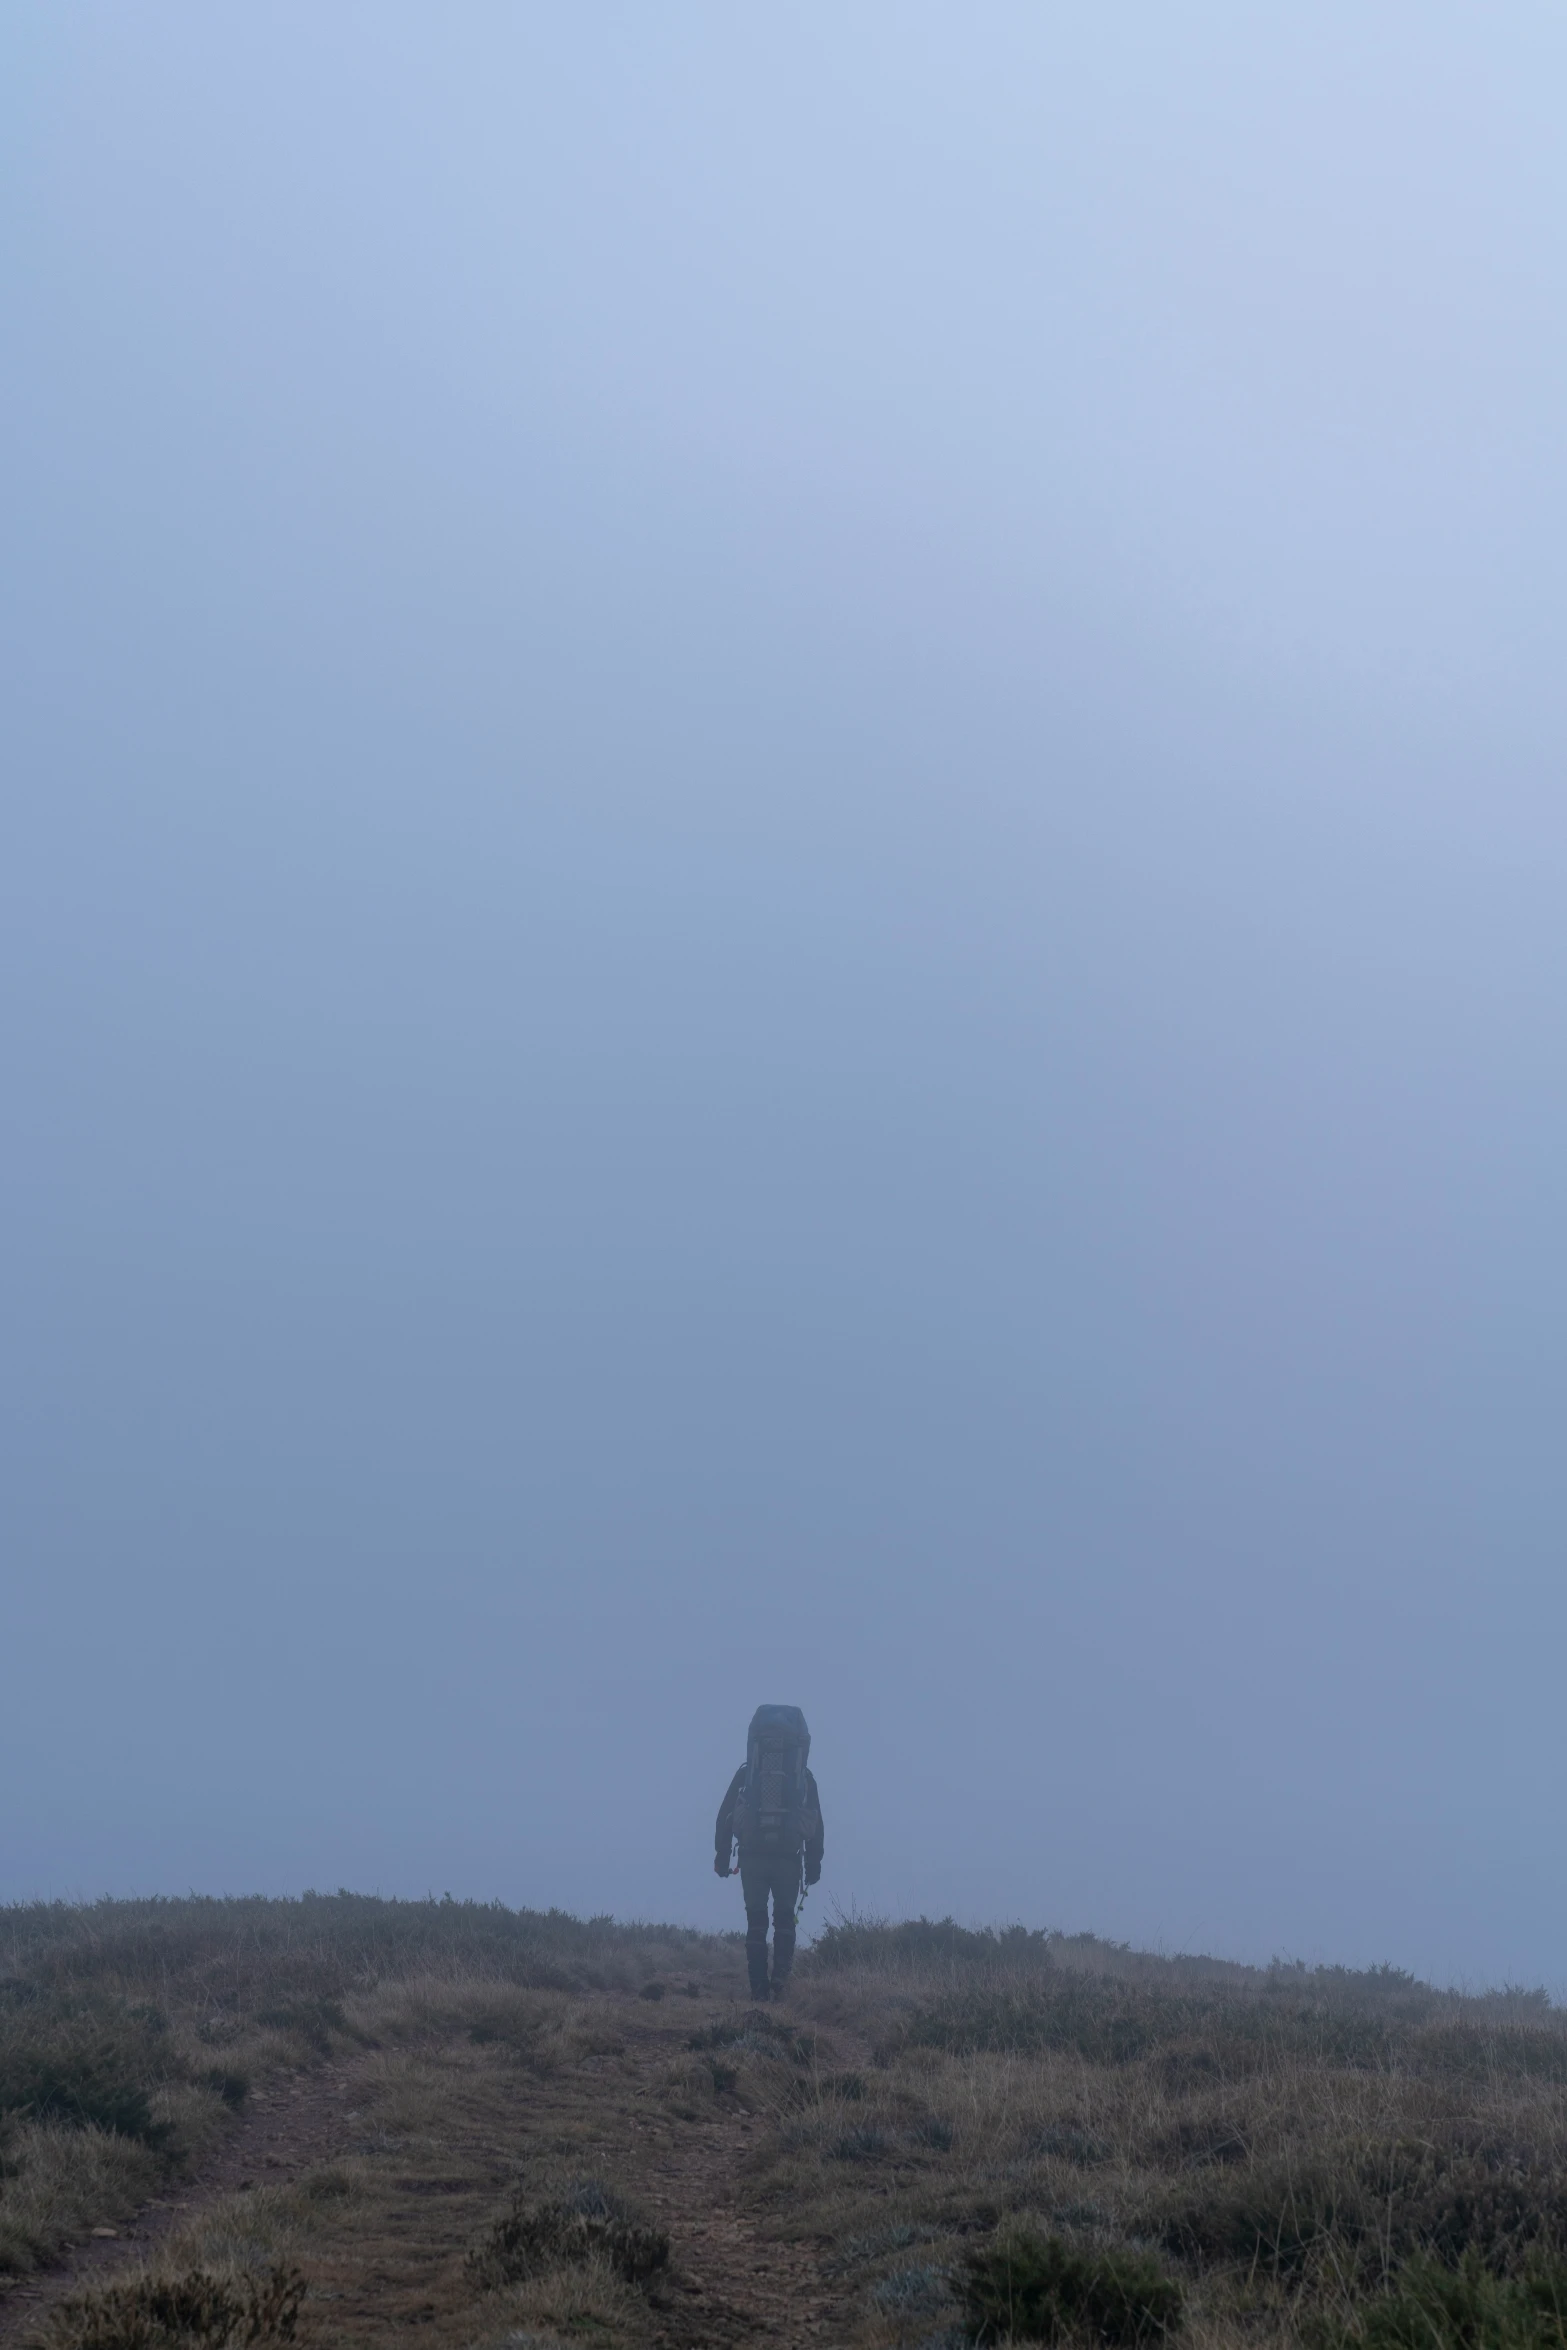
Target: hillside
(337, 2119)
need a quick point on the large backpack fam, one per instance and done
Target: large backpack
(770, 1814)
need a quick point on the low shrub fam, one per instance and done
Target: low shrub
(83, 2071)
(1480, 2050)
(313, 2020)
(1270, 2216)
(757, 2034)
(1202, 2032)
(1429, 2306)
(1040, 2288)
(530, 2238)
(197, 2311)
(876, 1947)
(325, 1944)
(1376, 2203)
(1100, 2020)
(908, 2291)
(1485, 2202)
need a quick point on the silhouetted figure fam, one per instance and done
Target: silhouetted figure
(773, 1813)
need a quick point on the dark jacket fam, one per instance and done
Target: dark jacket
(815, 1834)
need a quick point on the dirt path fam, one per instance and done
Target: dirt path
(728, 2283)
(283, 2131)
(434, 2168)
(741, 2287)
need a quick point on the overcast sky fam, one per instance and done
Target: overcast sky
(782, 858)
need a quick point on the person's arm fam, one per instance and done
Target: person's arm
(724, 1826)
(815, 1833)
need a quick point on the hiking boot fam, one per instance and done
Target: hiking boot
(783, 1960)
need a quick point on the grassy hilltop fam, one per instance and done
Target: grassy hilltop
(333, 2119)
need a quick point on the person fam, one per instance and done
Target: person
(773, 1813)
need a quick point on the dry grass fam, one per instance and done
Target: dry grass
(129, 2029)
(1317, 2158)
(61, 2182)
(1287, 2144)
(576, 2298)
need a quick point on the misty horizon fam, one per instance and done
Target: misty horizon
(780, 921)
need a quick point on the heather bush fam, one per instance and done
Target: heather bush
(1031, 2287)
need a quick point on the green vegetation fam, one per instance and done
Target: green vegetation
(65, 2061)
(1025, 2286)
(205, 2312)
(1463, 2308)
(589, 2221)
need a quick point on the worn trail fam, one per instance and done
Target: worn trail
(296, 2123)
(432, 2140)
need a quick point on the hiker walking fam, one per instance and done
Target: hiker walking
(773, 1813)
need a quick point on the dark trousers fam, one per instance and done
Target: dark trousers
(761, 1874)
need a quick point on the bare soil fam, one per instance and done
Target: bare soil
(391, 2256)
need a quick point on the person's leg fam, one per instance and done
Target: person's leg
(755, 1881)
(786, 1895)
